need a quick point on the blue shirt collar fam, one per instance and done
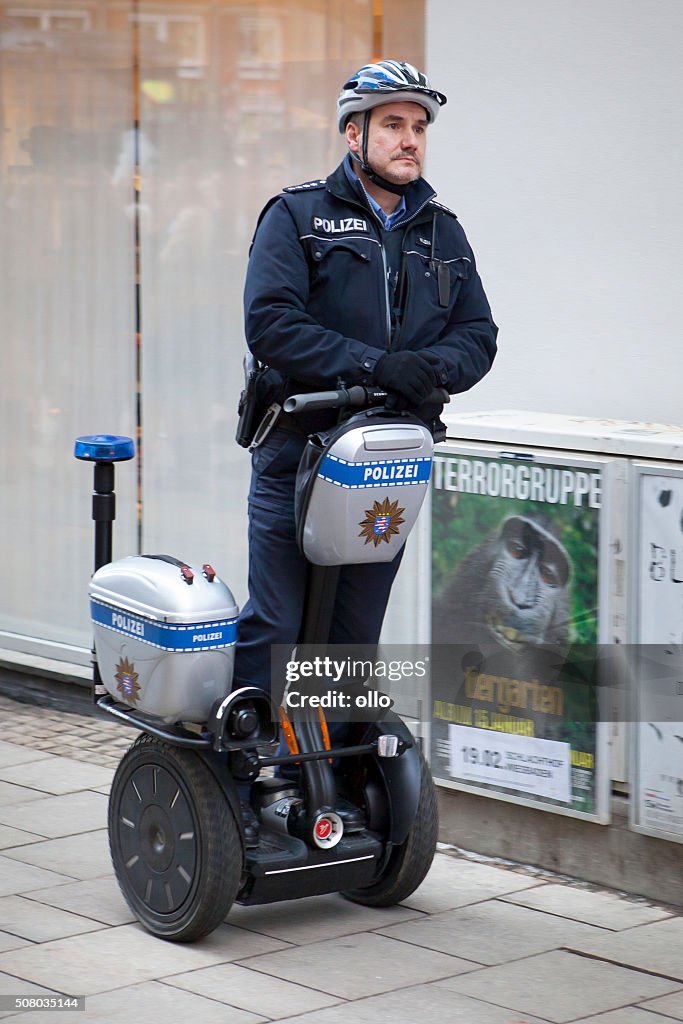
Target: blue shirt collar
(389, 220)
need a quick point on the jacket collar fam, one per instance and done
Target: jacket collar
(417, 196)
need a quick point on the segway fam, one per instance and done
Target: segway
(356, 817)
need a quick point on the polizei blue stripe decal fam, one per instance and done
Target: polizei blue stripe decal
(378, 473)
(167, 636)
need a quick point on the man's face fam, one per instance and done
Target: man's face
(397, 138)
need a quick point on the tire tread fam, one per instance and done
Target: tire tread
(410, 863)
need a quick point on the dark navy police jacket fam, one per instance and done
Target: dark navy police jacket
(319, 307)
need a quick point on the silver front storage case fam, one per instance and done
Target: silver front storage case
(367, 493)
(164, 636)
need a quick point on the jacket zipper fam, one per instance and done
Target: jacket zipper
(404, 282)
(387, 300)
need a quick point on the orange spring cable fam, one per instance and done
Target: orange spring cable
(325, 731)
(288, 731)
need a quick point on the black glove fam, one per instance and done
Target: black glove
(406, 374)
(434, 360)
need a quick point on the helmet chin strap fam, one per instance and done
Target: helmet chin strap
(376, 179)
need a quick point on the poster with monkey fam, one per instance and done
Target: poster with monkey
(657, 806)
(515, 592)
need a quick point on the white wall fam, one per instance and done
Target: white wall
(560, 150)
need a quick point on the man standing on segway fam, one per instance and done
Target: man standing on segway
(363, 279)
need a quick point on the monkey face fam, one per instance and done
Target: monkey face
(525, 597)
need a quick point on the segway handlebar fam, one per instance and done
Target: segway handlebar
(356, 397)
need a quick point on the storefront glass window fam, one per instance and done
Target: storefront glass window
(67, 300)
(138, 142)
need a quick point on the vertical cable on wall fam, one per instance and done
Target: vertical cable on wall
(137, 236)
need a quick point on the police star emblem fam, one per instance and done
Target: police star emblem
(381, 522)
(127, 680)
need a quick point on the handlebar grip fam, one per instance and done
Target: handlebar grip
(356, 397)
(341, 399)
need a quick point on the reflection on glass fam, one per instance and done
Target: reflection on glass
(256, 114)
(235, 101)
(66, 295)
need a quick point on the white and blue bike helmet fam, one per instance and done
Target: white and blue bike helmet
(382, 82)
(386, 81)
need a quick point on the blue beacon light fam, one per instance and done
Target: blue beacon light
(104, 448)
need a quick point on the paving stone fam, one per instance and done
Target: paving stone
(16, 877)
(602, 909)
(149, 1003)
(16, 837)
(259, 993)
(316, 918)
(57, 775)
(57, 816)
(358, 965)
(410, 1005)
(8, 940)
(39, 922)
(97, 898)
(626, 1015)
(248, 970)
(671, 1006)
(13, 794)
(654, 947)
(491, 933)
(12, 754)
(65, 724)
(17, 737)
(455, 881)
(559, 986)
(116, 957)
(80, 856)
(10, 986)
(89, 756)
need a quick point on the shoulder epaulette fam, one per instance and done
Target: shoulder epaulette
(445, 209)
(306, 186)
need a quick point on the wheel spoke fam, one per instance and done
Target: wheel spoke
(165, 787)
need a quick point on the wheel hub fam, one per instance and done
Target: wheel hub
(157, 840)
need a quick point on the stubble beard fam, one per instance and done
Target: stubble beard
(405, 173)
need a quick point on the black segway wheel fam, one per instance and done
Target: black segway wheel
(408, 863)
(174, 842)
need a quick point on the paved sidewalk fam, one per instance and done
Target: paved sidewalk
(476, 944)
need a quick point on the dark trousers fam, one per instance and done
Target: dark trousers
(278, 574)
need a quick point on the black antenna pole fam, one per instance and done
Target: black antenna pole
(103, 450)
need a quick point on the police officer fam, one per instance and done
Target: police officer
(362, 278)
